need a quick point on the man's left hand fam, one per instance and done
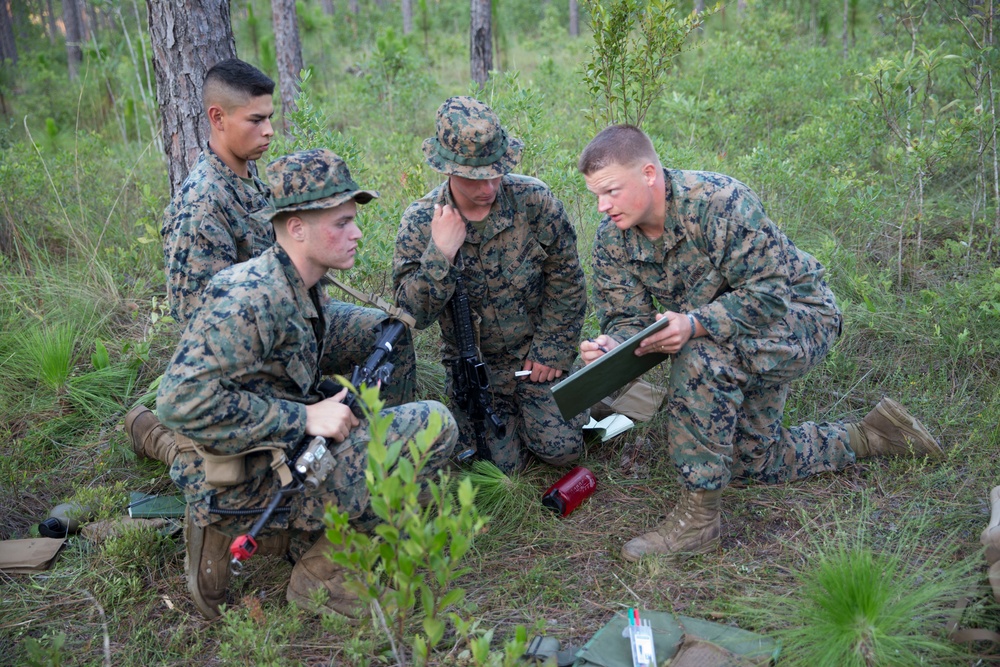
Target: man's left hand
(540, 372)
(668, 340)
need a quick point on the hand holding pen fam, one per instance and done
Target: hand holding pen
(593, 349)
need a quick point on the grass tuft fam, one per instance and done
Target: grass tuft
(851, 606)
(49, 353)
(511, 502)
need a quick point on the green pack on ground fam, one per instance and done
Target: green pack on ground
(688, 642)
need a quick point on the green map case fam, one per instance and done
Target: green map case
(612, 371)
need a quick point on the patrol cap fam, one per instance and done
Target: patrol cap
(310, 180)
(470, 141)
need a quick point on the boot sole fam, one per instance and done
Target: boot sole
(921, 441)
(678, 556)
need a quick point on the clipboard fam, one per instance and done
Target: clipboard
(612, 371)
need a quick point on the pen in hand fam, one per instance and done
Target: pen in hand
(599, 347)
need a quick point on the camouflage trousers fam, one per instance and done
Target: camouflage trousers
(357, 329)
(725, 410)
(534, 423)
(344, 488)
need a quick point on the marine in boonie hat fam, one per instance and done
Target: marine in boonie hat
(310, 180)
(470, 141)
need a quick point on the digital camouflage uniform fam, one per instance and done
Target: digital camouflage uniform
(769, 315)
(525, 284)
(249, 362)
(210, 225)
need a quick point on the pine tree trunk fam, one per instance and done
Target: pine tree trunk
(352, 7)
(847, 24)
(50, 17)
(481, 41)
(187, 37)
(328, 7)
(288, 51)
(574, 18)
(8, 47)
(407, 6)
(86, 11)
(71, 21)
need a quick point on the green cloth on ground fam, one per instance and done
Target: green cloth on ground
(608, 648)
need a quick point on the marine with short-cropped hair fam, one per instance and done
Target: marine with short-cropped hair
(748, 312)
(210, 223)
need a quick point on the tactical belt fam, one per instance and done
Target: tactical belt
(228, 469)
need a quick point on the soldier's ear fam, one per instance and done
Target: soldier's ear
(295, 227)
(649, 172)
(216, 117)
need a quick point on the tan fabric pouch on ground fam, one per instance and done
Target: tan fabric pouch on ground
(28, 556)
(640, 401)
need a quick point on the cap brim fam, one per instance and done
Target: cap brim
(359, 196)
(506, 164)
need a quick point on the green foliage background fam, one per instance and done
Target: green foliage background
(768, 97)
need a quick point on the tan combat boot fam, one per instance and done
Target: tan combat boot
(692, 527)
(889, 430)
(206, 564)
(150, 438)
(315, 571)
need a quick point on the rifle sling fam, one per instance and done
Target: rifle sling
(373, 299)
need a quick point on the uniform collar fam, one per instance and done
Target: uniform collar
(235, 183)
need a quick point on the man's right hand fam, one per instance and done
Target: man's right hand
(330, 418)
(593, 349)
(447, 230)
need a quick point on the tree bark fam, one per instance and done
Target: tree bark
(847, 23)
(352, 7)
(187, 37)
(87, 22)
(407, 6)
(50, 21)
(74, 52)
(574, 18)
(328, 7)
(481, 41)
(8, 47)
(288, 52)
(699, 6)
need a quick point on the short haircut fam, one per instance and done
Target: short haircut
(234, 81)
(623, 145)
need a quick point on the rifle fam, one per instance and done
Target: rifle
(312, 460)
(375, 369)
(470, 376)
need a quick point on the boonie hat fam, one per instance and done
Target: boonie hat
(470, 141)
(310, 180)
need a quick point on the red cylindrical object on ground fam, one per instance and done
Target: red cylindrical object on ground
(572, 489)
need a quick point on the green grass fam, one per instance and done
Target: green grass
(48, 355)
(758, 98)
(856, 601)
